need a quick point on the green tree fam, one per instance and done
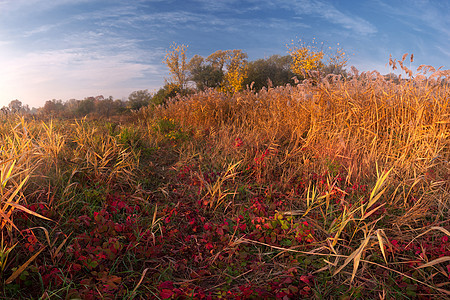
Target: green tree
(333, 69)
(52, 107)
(105, 107)
(224, 69)
(218, 59)
(71, 107)
(204, 74)
(207, 77)
(169, 90)
(138, 99)
(5, 110)
(276, 68)
(85, 106)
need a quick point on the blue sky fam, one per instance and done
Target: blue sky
(63, 49)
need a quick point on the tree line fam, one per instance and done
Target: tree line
(226, 70)
(230, 70)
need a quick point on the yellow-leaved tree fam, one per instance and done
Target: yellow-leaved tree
(175, 60)
(232, 64)
(338, 59)
(237, 67)
(305, 57)
(308, 57)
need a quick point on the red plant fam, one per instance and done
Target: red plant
(238, 142)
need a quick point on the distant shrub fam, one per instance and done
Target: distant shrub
(138, 99)
(169, 90)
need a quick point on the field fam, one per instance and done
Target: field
(323, 190)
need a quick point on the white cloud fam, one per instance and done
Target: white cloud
(5, 43)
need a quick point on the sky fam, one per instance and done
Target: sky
(73, 49)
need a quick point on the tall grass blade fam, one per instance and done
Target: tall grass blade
(23, 267)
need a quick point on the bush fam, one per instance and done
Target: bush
(169, 90)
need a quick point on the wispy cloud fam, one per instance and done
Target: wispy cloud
(434, 14)
(234, 6)
(5, 43)
(329, 12)
(430, 21)
(40, 30)
(445, 51)
(165, 19)
(420, 14)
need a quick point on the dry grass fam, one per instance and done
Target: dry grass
(39, 154)
(357, 122)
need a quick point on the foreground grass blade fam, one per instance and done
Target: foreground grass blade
(435, 261)
(23, 267)
(380, 234)
(356, 257)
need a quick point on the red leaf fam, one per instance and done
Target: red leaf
(165, 294)
(304, 279)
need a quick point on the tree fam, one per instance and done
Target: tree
(5, 110)
(175, 60)
(138, 99)
(204, 74)
(15, 106)
(333, 69)
(207, 77)
(169, 90)
(218, 59)
(305, 57)
(276, 68)
(52, 107)
(26, 109)
(224, 69)
(236, 65)
(392, 77)
(105, 107)
(337, 61)
(71, 107)
(86, 106)
(195, 62)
